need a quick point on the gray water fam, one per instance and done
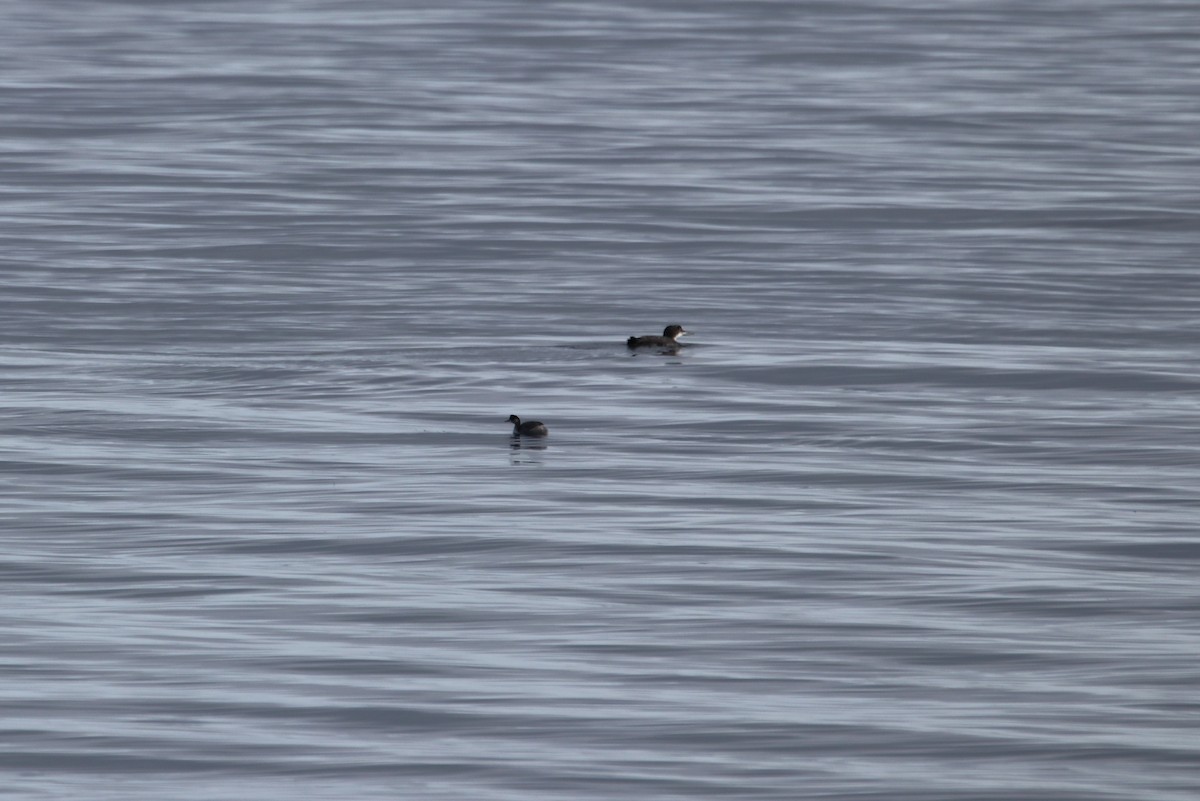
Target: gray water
(913, 517)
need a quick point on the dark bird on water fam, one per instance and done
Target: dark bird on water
(530, 428)
(669, 338)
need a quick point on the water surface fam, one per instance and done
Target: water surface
(913, 517)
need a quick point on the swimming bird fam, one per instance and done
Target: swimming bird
(531, 428)
(669, 338)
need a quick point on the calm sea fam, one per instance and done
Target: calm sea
(913, 518)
